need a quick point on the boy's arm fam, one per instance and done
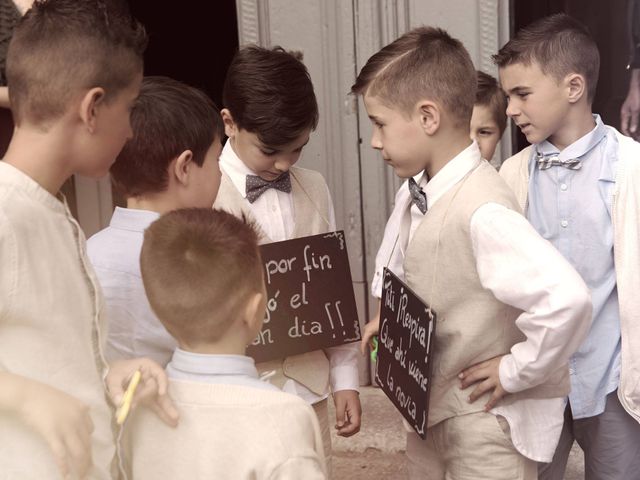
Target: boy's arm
(61, 420)
(525, 271)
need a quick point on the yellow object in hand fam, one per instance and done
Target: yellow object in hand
(125, 404)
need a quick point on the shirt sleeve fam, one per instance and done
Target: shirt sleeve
(524, 270)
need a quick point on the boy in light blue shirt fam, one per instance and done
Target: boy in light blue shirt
(578, 183)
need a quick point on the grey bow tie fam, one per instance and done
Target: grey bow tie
(256, 186)
(548, 161)
(418, 197)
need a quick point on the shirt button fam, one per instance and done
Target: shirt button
(563, 187)
(564, 224)
(273, 209)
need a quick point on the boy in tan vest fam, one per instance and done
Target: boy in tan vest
(510, 309)
(269, 112)
(74, 71)
(203, 275)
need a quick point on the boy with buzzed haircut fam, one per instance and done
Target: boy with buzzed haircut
(488, 122)
(579, 183)
(269, 112)
(74, 71)
(510, 309)
(203, 274)
(489, 119)
(171, 162)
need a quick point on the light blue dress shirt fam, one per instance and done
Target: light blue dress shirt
(572, 209)
(217, 369)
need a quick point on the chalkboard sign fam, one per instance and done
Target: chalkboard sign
(405, 347)
(310, 297)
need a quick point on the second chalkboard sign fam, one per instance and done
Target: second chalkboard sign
(310, 304)
(405, 344)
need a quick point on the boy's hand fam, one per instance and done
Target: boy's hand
(348, 412)
(487, 373)
(152, 391)
(64, 423)
(631, 107)
(370, 329)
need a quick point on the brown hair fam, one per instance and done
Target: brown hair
(423, 63)
(198, 267)
(559, 45)
(489, 94)
(62, 47)
(168, 118)
(269, 93)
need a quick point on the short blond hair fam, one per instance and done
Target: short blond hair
(198, 267)
(425, 63)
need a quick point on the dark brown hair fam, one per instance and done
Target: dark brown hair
(198, 268)
(559, 45)
(425, 63)
(269, 93)
(490, 94)
(62, 47)
(168, 118)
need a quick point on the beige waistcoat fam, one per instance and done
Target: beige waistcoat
(472, 325)
(311, 211)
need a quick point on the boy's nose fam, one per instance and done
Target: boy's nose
(375, 142)
(512, 110)
(282, 164)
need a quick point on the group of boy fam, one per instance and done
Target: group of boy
(531, 308)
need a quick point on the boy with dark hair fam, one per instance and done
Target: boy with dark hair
(578, 183)
(510, 309)
(74, 71)
(270, 111)
(171, 162)
(234, 424)
(489, 119)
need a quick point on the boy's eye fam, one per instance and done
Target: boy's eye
(485, 133)
(268, 153)
(523, 95)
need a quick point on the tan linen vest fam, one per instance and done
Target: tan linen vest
(311, 212)
(472, 325)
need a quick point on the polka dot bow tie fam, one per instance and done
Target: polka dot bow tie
(256, 186)
(548, 161)
(418, 197)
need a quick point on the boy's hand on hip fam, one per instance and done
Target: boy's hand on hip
(348, 412)
(152, 391)
(64, 423)
(487, 377)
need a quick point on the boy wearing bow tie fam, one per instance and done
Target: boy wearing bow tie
(270, 110)
(171, 162)
(510, 309)
(579, 183)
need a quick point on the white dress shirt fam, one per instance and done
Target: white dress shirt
(523, 270)
(274, 211)
(133, 329)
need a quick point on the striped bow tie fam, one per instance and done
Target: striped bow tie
(418, 197)
(256, 186)
(548, 161)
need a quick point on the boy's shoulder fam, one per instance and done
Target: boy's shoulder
(307, 175)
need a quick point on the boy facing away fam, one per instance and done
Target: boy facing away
(579, 184)
(510, 309)
(270, 111)
(74, 71)
(171, 162)
(488, 122)
(203, 274)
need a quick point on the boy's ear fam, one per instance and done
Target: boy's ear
(89, 107)
(254, 311)
(576, 87)
(181, 166)
(230, 127)
(429, 114)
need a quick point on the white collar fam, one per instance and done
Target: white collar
(235, 168)
(453, 171)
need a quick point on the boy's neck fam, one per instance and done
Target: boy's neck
(218, 348)
(447, 148)
(160, 203)
(578, 123)
(43, 156)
